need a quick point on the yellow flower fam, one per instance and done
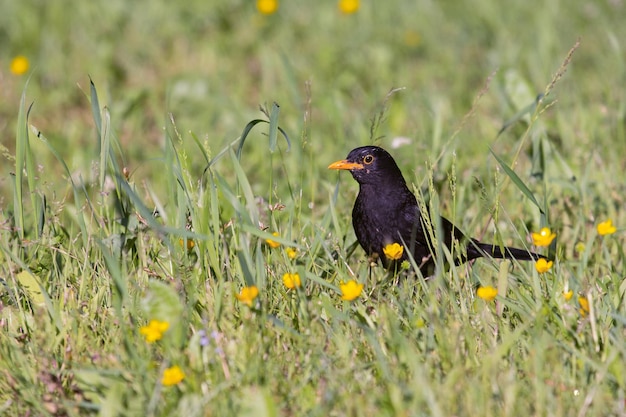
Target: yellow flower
(584, 306)
(272, 243)
(349, 6)
(154, 330)
(248, 294)
(291, 253)
(19, 65)
(172, 376)
(487, 293)
(580, 247)
(412, 38)
(606, 228)
(350, 290)
(393, 251)
(543, 265)
(190, 243)
(267, 6)
(291, 280)
(568, 295)
(544, 237)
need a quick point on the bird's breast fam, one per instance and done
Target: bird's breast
(378, 222)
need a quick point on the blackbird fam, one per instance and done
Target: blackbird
(386, 212)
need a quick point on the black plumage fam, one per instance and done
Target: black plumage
(387, 212)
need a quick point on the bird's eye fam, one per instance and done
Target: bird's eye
(368, 159)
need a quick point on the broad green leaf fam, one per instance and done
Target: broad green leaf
(258, 402)
(518, 90)
(162, 303)
(32, 287)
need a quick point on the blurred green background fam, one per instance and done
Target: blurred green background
(464, 71)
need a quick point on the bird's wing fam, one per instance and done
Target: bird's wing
(412, 229)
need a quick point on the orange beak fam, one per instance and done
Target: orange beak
(344, 164)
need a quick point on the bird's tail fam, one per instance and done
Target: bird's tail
(477, 249)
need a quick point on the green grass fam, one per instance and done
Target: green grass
(132, 145)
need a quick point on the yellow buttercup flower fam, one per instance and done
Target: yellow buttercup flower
(19, 65)
(584, 306)
(349, 6)
(544, 237)
(154, 330)
(267, 6)
(606, 228)
(172, 376)
(393, 251)
(543, 265)
(272, 243)
(248, 294)
(568, 295)
(350, 290)
(291, 253)
(292, 280)
(487, 293)
(190, 243)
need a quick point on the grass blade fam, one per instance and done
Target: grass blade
(105, 143)
(518, 182)
(244, 134)
(95, 109)
(21, 145)
(273, 133)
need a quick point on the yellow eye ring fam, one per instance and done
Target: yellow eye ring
(368, 159)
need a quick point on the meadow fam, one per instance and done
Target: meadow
(173, 244)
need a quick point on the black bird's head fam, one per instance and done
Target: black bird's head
(370, 165)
